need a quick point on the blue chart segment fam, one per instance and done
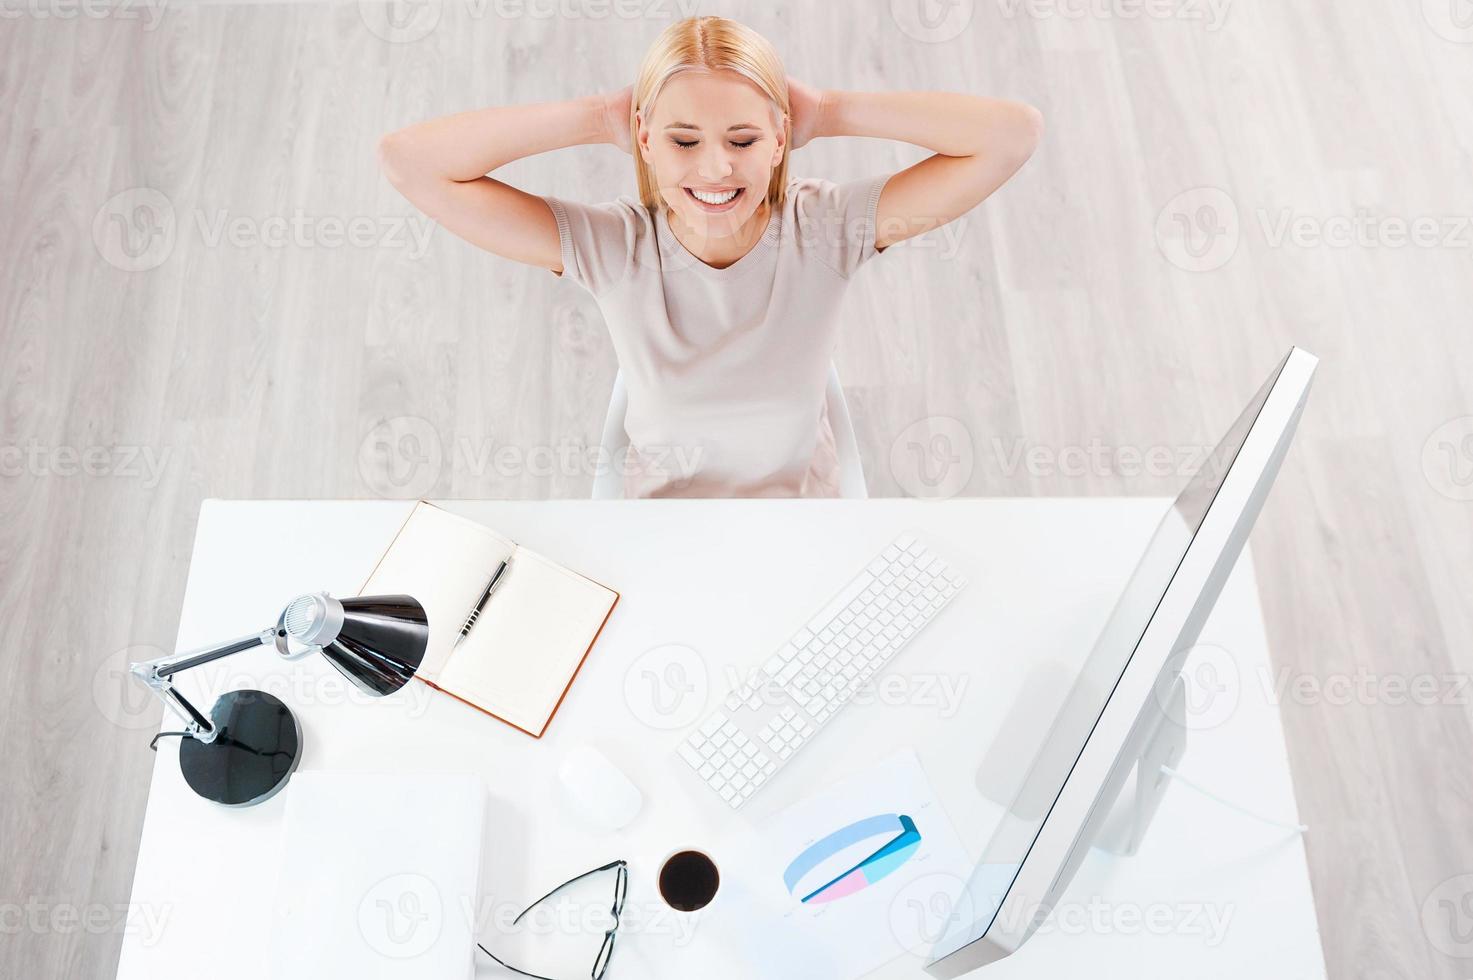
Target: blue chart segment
(904, 840)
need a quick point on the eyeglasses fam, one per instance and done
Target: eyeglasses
(606, 950)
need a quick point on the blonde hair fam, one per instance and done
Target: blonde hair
(709, 44)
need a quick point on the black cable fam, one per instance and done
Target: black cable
(155, 743)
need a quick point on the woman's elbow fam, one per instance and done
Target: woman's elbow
(1029, 131)
(393, 157)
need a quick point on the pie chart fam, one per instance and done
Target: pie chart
(896, 839)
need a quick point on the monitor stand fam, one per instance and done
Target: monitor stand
(1126, 823)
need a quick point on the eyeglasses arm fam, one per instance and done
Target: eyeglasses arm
(594, 871)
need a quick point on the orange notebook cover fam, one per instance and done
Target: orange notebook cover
(531, 638)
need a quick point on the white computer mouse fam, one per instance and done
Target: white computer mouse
(599, 788)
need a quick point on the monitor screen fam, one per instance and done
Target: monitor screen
(1082, 708)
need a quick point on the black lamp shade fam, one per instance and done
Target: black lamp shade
(382, 642)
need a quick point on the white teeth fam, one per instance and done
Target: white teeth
(705, 198)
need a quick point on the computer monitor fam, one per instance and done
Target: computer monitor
(1115, 707)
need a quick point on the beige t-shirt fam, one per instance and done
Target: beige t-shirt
(726, 369)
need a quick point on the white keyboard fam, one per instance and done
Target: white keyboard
(741, 744)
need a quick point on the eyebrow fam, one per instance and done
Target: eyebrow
(729, 129)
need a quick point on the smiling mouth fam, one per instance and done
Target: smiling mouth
(715, 202)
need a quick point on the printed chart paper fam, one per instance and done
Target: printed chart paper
(858, 873)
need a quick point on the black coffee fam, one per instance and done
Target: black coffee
(688, 881)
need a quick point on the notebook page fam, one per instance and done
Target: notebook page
(528, 642)
(444, 561)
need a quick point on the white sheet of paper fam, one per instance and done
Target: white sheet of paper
(872, 922)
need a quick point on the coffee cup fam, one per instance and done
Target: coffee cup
(688, 880)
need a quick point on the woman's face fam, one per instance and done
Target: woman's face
(712, 134)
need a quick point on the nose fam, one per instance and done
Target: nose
(714, 165)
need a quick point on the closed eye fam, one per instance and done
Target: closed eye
(685, 145)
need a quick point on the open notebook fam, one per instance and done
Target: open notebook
(526, 646)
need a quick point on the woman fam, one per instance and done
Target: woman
(721, 285)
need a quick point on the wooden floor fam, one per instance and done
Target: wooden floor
(1209, 192)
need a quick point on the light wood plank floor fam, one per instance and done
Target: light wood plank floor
(154, 351)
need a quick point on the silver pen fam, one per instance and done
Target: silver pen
(490, 586)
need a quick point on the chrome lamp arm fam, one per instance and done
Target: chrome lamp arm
(158, 675)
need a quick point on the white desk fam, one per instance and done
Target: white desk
(730, 579)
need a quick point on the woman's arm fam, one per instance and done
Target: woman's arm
(441, 167)
(979, 143)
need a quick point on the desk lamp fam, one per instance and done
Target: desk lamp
(249, 746)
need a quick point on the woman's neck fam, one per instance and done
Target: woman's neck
(720, 252)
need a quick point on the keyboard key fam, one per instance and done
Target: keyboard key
(856, 586)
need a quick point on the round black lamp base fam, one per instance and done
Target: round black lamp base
(255, 751)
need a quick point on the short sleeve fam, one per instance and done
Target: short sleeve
(597, 241)
(838, 220)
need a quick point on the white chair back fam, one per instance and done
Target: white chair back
(608, 484)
